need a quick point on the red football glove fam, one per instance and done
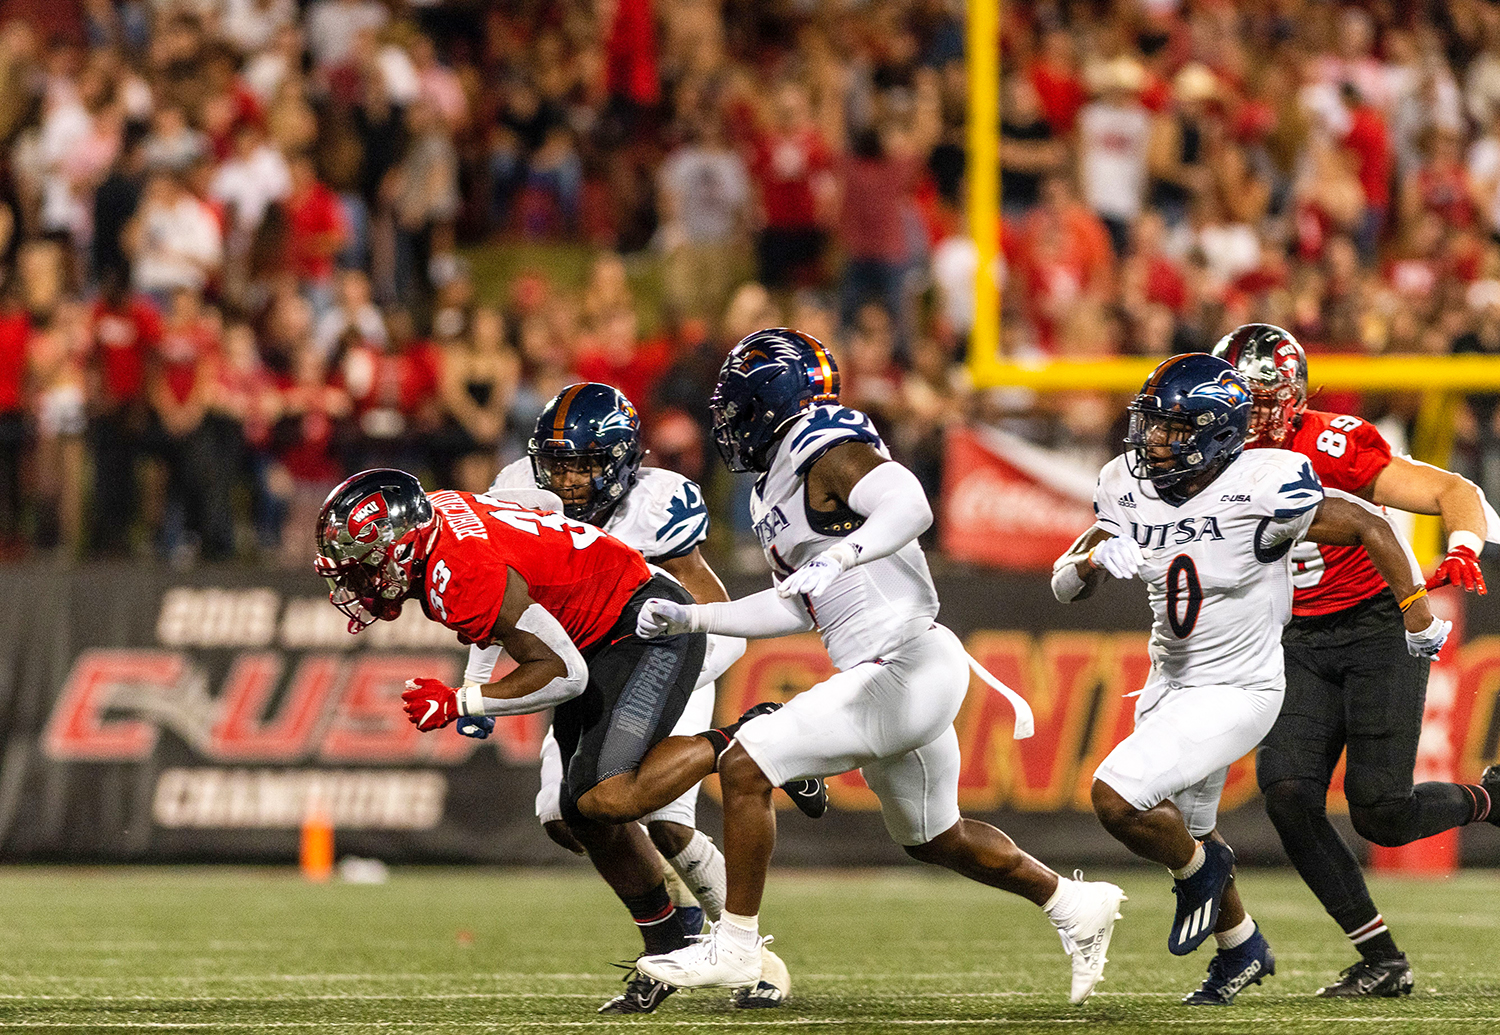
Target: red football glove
(429, 704)
(1461, 568)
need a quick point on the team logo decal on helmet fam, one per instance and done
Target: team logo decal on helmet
(364, 520)
(373, 532)
(1191, 418)
(1229, 389)
(1272, 361)
(767, 381)
(587, 449)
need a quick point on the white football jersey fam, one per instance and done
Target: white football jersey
(872, 608)
(1218, 568)
(663, 515)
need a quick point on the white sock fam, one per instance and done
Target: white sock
(677, 891)
(1237, 935)
(1064, 901)
(742, 930)
(701, 867)
(1194, 864)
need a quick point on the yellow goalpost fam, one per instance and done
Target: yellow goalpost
(1441, 380)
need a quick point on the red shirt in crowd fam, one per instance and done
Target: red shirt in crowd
(784, 167)
(15, 331)
(635, 375)
(1444, 189)
(872, 222)
(630, 53)
(123, 338)
(316, 406)
(579, 574)
(1061, 94)
(1368, 138)
(311, 217)
(399, 382)
(1165, 283)
(183, 351)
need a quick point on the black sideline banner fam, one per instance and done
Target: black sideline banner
(157, 717)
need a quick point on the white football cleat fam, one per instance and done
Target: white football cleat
(1086, 939)
(712, 960)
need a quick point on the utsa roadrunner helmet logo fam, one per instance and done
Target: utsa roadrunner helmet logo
(1229, 389)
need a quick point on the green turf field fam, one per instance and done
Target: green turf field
(494, 950)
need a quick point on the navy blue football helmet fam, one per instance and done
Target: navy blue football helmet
(1191, 418)
(766, 382)
(587, 449)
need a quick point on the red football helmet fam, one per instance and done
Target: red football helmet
(1276, 367)
(372, 531)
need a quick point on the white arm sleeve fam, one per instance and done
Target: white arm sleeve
(1066, 583)
(546, 501)
(482, 662)
(758, 616)
(722, 652)
(544, 627)
(549, 796)
(895, 510)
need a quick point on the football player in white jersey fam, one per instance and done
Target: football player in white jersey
(1209, 527)
(586, 449)
(839, 521)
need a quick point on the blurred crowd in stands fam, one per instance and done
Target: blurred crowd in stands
(242, 242)
(1173, 169)
(235, 239)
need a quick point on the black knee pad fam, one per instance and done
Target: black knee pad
(568, 806)
(1293, 802)
(1388, 823)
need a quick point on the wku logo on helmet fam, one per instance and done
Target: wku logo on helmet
(1227, 388)
(363, 520)
(1286, 359)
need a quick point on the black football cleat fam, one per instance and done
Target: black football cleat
(1198, 899)
(1490, 781)
(641, 995)
(1231, 970)
(764, 708)
(810, 795)
(762, 995)
(1385, 978)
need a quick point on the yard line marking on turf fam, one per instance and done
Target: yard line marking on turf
(799, 1022)
(347, 996)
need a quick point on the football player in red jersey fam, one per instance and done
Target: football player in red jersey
(561, 597)
(1350, 682)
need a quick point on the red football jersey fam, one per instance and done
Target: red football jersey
(582, 576)
(1347, 453)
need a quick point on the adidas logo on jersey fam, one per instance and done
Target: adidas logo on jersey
(1127, 500)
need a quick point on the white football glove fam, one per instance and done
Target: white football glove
(659, 617)
(814, 577)
(1429, 641)
(1120, 556)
